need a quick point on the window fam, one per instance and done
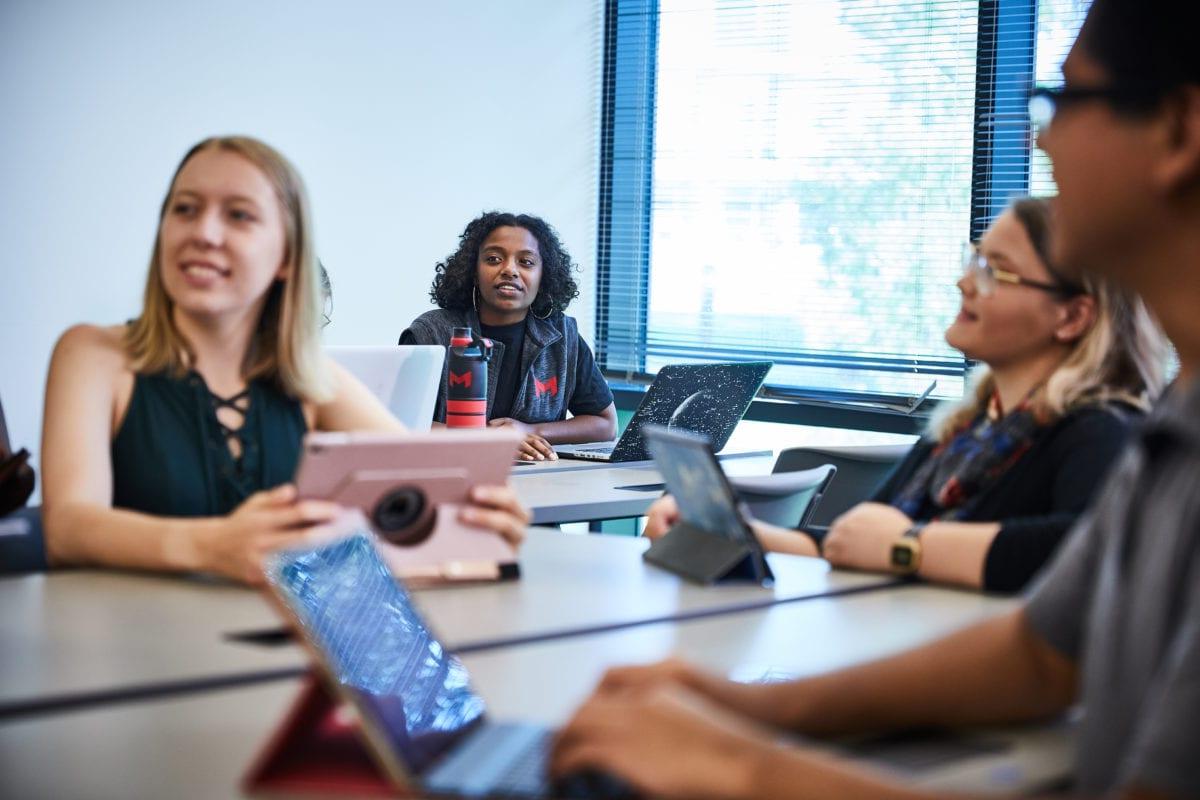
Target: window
(796, 181)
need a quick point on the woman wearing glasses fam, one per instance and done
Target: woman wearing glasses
(986, 496)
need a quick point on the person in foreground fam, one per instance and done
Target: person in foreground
(510, 281)
(169, 442)
(1114, 622)
(987, 496)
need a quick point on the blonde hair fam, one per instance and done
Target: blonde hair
(1121, 358)
(286, 345)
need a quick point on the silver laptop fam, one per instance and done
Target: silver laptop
(708, 399)
(406, 379)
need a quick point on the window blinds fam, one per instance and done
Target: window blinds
(796, 180)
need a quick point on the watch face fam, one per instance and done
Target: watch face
(902, 556)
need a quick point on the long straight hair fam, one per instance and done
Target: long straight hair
(1121, 358)
(285, 347)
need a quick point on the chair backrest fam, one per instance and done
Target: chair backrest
(405, 378)
(860, 471)
(785, 500)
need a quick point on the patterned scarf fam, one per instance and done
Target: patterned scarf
(971, 460)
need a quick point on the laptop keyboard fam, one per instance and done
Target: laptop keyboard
(526, 774)
(497, 760)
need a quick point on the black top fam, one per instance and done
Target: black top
(1038, 499)
(170, 456)
(513, 337)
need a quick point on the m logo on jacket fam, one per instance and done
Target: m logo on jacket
(550, 387)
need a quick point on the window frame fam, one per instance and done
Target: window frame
(1002, 149)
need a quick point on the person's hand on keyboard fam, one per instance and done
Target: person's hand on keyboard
(592, 784)
(663, 740)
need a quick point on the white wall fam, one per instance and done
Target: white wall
(406, 119)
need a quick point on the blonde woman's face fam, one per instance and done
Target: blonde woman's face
(1015, 323)
(222, 241)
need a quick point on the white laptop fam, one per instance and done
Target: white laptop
(405, 378)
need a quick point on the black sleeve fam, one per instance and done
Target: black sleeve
(408, 337)
(592, 394)
(1081, 455)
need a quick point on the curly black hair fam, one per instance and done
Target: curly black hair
(454, 285)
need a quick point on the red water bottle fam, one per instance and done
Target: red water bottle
(466, 379)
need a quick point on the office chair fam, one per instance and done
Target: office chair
(860, 471)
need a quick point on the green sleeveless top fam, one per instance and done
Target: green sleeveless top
(170, 456)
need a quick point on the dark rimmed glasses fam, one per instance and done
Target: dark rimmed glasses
(1045, 102)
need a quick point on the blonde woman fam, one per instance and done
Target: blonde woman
(168, 443)
(985, 498)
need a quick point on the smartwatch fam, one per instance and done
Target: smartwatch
(906, 553)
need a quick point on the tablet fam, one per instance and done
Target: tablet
(410, 487)
(712, 538)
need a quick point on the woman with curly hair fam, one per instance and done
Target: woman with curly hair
(510, 280)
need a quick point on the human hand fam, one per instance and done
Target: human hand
(498, 509)
(862, 538)
(662, 514)
(534, 447)
(766, 702)
(665, 740)
(265, 521)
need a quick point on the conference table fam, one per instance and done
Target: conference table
(121, 684)
(599, 492)
(80, 637)
(200, 745)
(567, 490)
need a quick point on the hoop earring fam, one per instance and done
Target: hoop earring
(474, 304)
(549, 311)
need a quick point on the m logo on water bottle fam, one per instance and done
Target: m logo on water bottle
(461, 380)
(550, 387)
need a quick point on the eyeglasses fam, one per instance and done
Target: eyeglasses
(1044, 102)
(986, 277)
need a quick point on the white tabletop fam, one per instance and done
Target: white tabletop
(571, 490)
(597, 492)
(781, 641)
(200, 745)
(81, 635)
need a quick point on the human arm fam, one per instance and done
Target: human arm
(664, 513)
(540, 437)
(999, 555)
(951, 552)
(700, 735)
(87, 391)
(593, 414)
(994, 672)
(686, 746)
